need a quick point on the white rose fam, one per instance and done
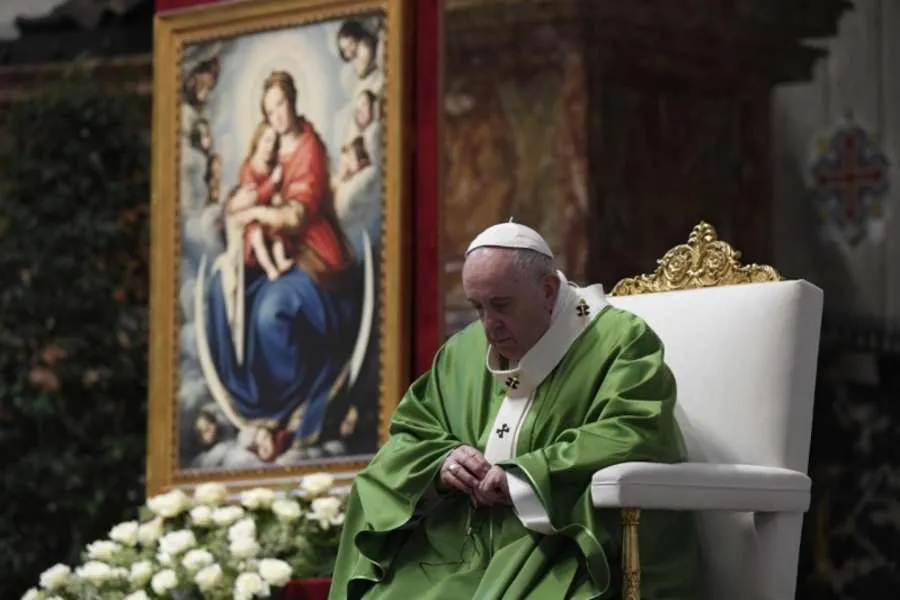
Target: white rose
(103, 550)
(275, 572)
(250, 585)
(286, 510)
(168, 505)
(176, 542)
(55, 577)
(245, 528)
(141, 572)
(94, 571)
(257, 498)
(31, 594)
(138, 595)
(196, 559)
(208, 577)
(212, 494)
(201, 516)
(327, 511)
(150, 531)
(227, 515)
(164, 581)
(316, 484)
(125, 533)
(244, 547)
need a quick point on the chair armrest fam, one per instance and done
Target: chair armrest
(700, 486)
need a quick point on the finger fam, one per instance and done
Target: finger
(477, 465)
(463, 475)
(457, 483)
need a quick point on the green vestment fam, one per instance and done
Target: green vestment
(594, 391)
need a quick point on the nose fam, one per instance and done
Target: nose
(491, 323)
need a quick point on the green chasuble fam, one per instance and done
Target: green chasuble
(593, 391)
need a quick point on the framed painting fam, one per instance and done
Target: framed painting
(279, 286)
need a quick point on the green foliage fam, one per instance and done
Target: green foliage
(74, 242)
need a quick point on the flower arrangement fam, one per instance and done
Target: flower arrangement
(207, 546)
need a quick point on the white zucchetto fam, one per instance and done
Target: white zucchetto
(510, 235)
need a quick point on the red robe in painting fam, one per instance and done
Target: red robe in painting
(322, 248)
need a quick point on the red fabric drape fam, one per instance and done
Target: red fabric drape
(307, 589)
(428, 314)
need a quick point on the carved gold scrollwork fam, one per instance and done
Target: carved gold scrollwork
(704, 261)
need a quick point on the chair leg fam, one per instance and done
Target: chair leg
(631, 561)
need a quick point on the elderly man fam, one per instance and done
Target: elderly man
(482, 490)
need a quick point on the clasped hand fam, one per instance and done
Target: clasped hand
(468, 471)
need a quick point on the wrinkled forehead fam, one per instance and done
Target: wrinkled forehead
(491, 272)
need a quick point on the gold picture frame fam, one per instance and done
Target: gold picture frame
(279, 309)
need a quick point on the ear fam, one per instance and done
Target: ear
(551, 285)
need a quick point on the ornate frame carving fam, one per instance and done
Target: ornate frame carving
(704, 261)
(174, 32)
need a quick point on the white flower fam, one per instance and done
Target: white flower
(164, 559)
(257, 498)
(168, 505)
(150, 531)
(250, 585)
(103, 550)
(276, 572)
(208, 577)
(244, 547)
(138, 595)
(212, 494)
(327, 511)
(164, 581)
(141, 572)
(245, 528)
(227, 515)
(176, 542)
(125, 533)
(317, 484)
(55, 598)
(55, 577)
(94, 571)
(31, 594)
(286, 510)
(201, 516)
(196, 559)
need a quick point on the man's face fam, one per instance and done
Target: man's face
(512, 305)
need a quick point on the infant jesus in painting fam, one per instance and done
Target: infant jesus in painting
(261, 170)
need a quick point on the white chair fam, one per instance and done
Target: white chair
(744, 358)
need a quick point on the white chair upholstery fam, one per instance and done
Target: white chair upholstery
(744, 358)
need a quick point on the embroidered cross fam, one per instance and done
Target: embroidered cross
(512, 382)
(582, 309)
(503, 429)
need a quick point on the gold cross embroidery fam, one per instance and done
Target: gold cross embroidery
(512, 382)
(582, 310)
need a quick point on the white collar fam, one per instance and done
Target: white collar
(575, 309)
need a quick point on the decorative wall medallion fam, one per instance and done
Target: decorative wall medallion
(849, 178)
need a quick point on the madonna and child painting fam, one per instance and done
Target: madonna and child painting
(280, 211)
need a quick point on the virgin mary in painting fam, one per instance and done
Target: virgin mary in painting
(275, 350)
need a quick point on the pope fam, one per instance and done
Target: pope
(482, 489)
